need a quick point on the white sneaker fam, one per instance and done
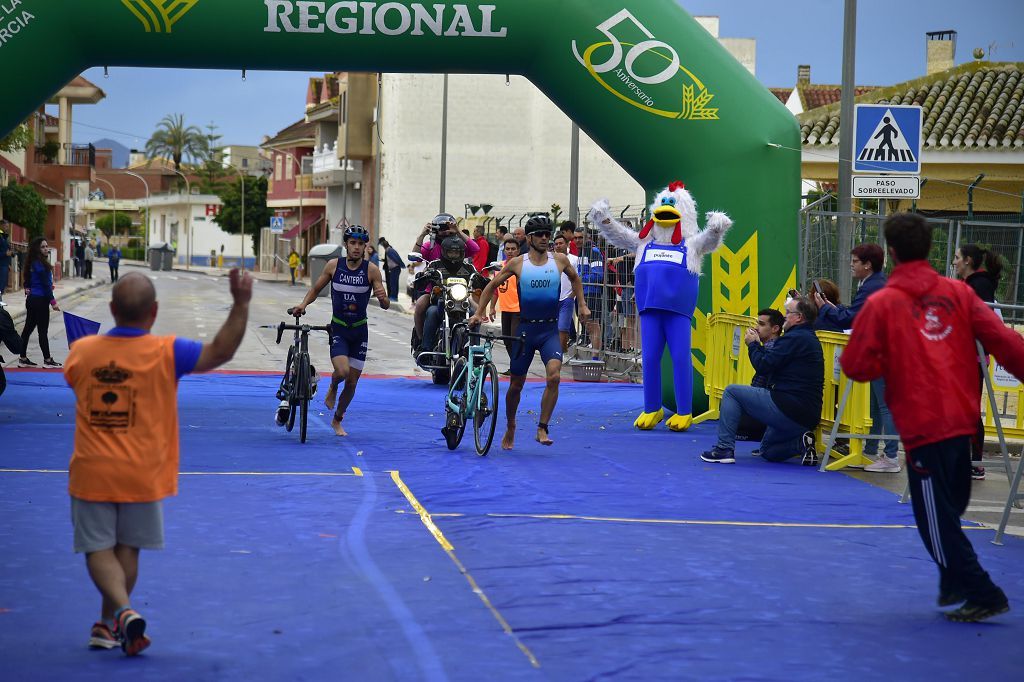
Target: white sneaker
(884, 465)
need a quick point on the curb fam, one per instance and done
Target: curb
(19, 317)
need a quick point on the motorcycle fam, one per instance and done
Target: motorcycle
(452, 294)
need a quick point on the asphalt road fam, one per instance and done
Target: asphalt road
(195, 305)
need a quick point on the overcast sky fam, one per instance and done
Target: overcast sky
(890, 49)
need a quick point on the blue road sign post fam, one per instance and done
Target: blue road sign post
(887, 139)
(277, 224)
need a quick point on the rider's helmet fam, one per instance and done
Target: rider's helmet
(443, 221)
(539, 223)
(357, 232)
(453, 252)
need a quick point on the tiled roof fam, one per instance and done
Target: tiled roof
(300, 130)
(781, 93)
(813, 95)
(972, 106)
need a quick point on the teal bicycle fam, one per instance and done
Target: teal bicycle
(473, 391)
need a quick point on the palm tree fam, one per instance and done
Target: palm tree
(174, 140)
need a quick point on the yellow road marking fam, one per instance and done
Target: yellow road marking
(357, 471)
(425, 517)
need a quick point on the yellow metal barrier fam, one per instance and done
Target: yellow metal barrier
(726, 361)
(1009, 393)
(856, 416)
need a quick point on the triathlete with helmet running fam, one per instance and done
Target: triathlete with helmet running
(452, 263)
(539, 274)
(351, 281)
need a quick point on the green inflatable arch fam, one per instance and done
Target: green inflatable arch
(641, 77)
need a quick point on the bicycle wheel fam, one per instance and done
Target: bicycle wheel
(302, 391)
(293, 392)
(485, 417)
(455, 421)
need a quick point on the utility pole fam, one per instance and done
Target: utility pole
(846, 134)
(444, 144)
(574, 174)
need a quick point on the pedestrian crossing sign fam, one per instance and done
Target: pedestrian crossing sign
(887, 138)
(276, 224)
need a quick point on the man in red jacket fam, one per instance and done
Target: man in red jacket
(919, 334)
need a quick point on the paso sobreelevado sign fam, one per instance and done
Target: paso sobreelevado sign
(644, 80)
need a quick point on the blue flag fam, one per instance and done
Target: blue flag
(77, 327)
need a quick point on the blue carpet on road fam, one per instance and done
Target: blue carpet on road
(613, 554)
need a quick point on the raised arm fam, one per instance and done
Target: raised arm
(615, 232)
(711, 237)
(227, 340)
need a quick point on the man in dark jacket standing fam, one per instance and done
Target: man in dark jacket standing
(919, 334)
(790, 407)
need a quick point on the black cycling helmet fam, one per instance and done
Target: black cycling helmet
(357, 232)
(449, 246)
(539, 223)
(443, 220)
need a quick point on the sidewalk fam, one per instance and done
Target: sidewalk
(62, 290)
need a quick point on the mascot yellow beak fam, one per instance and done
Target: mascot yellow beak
(667, 215)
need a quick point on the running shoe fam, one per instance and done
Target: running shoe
(716, 456)
(101, 637)
(884, 465)
(50, 362)
(132, 629)
(972, 612)
(978, 473)
(25, 362)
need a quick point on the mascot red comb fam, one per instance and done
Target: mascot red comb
(669, 251)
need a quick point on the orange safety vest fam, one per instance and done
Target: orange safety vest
(508, 295)
(126, 418)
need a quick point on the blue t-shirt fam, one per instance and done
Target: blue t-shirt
(114, 255)
(40, 282)
(186, 351)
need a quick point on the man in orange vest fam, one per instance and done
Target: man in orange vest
(125, 459)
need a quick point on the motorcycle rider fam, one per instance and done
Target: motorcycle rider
(452, 263)
(440, 228)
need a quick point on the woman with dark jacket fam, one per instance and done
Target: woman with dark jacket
(39, 291)
(980, 269)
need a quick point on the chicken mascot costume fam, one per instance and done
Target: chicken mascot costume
(669, 250)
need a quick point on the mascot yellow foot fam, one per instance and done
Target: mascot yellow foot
(679, 422)
(648, 420)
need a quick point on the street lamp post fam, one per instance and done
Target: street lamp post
(188, 220)
(242, 179)
(136, 175)
(113, 193)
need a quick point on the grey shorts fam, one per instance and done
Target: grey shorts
(102, 525)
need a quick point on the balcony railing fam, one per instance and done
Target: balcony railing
(77, 155)
(326, 159)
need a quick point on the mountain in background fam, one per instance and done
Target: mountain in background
(120, 151)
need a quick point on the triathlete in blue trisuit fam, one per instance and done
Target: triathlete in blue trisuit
(351, 280)
(539, 274)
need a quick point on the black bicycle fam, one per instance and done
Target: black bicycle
(298, 385)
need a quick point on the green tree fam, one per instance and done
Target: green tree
(213, 176)
(24, 205)
(19, 138)
(257, 215)
(105, 224)
(174, 140)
